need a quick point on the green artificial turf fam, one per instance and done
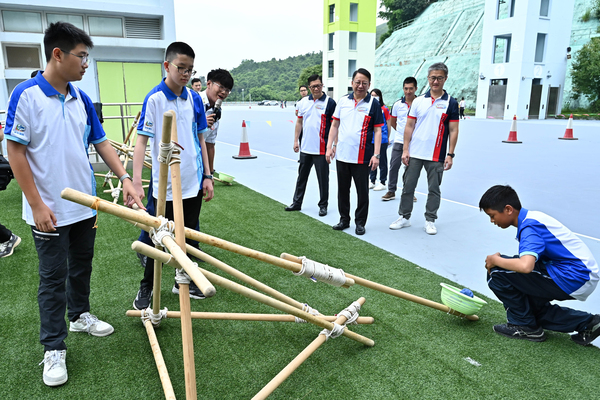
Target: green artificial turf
(419, 352)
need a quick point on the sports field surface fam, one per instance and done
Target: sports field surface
(419, 353)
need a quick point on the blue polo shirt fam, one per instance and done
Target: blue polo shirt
(57, 130)
(432, 127)
(568, 260)
(191, 122)
(358, 120)
(316, 115)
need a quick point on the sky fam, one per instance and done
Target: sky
(225, 32)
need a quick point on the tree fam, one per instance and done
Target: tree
(308, 71)
(398, 11)
(586, 73)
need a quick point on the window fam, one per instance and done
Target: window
(330, 91)
(505, 9)
(330, 74)
(330, 41)
(545, 8)
(351, 67)
(501, 49)
(21, 21)
(23, 56)
(332, 13)
(539, 47)
(353, 12)
(350, 90)
(76, 20)
(352, 39)
(104, 26)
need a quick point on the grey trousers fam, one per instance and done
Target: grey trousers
(435, 170)
(395, 164)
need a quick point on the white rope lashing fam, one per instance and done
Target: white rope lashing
(321, 272)
(169, 153)
(181, 277)
(308, 309)
(166, 228)
(115, 193)
(148, 315)
(351, 313)
(108, 176)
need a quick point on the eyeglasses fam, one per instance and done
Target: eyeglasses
(184, 71)
(358, 84)
(84, 59)
(315, 87)
(222, 88)
(436, 78)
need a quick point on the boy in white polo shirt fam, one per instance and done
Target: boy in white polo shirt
(50, 124)
(196, 181)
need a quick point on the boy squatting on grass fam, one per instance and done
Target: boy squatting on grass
(50, 124)
(553, 264)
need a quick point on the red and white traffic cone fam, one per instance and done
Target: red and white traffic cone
(244, 146)
(569, 130)
(512, 135)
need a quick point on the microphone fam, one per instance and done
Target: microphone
(217, 109)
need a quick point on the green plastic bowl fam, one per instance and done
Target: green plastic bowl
(453, 298)
(226, 178)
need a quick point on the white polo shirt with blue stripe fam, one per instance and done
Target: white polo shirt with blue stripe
(191, 121)
(316, 118)
(567, 259)
(357, 123)
(57, 131)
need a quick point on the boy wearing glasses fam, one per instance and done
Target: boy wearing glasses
(430, 138)
(219, 83)
(196, 181)
(51, 122)
(315, 114)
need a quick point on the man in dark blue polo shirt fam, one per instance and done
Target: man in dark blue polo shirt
(356, 119)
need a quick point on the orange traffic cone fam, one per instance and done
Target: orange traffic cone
(244, 146)
(512, 135)
(569, 130)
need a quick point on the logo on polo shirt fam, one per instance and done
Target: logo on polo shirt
(319, 107)
(20, 129)
(441, 106)
(148, 124)
(362, 109)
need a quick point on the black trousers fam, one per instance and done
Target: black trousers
(322, 170)
(359, 173)
(65, 267)
(191, 213)
(383, 165)
(5, 234)
(526, 299)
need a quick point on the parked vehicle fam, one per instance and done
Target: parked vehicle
(263, 103)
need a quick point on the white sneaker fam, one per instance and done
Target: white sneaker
(91, 324)
(400, 223)
(380, 186)
(430, 228)
(55, 368)
(371, 185)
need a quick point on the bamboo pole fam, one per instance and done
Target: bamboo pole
(184, 288)
(219, 316)
(160, 361)
(296, 362)
(252, 294)
(395, 292)
(133, 126)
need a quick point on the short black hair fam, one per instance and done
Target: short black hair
(176, 48)
(313, 78)
(195, 80)
(409, 80)
(302, 86)
(362, 71)
(66, 37)
(380, 95)
(221, 76)
(499, 196)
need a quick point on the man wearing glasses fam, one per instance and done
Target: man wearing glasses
(356, 119)
(432, 123)
(314, 119)
(219, 83)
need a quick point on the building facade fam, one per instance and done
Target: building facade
(348, 42)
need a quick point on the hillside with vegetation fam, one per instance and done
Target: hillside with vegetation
(273, 79)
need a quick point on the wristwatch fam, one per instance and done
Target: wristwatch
(451, 155)
(377, 156)
(124, 176)
(208, 177)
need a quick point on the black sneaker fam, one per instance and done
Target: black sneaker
(143, 259)
(142, 300)
(195, 292)
(520, 332)
(587, 336)
(7, 248)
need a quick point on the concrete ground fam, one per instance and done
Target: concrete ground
(554, 176)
